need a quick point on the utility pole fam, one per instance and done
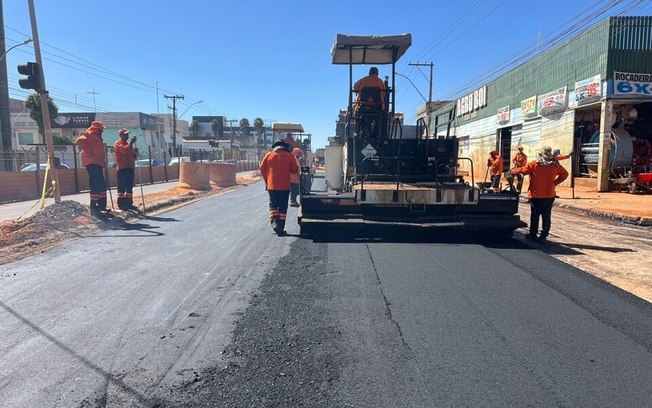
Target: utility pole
(429, 103)
(5, 116)
(45, 111)
(174, 121)
(231, 122)
(94, 93)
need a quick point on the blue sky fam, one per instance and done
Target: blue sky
(271, 59)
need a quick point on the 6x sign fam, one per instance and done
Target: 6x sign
(632, 84)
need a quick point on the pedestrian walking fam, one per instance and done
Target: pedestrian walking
(125, 158)
(295, 179)
(495, 164)
(276, 168)
(520, 160)
(545, 173)
(94, 159)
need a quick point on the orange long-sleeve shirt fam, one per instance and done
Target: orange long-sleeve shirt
(371, 81)
(276, 168)
(543, 179)
(125, 155)
(520, 159)
(92, 149)
(496, 166)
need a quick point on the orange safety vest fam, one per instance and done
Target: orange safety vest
(92, 147)
(276, 168)
(125, 155)
(543, 179)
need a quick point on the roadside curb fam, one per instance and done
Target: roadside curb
(592, 212)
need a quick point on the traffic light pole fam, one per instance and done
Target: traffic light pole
(45, 107)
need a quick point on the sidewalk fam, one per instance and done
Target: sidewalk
(635, 209)
(23, 209)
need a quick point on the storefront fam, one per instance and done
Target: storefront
(591, 96)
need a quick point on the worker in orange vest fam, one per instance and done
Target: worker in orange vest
(276, 168)
(545, 173)
(94, 159)
(125, 158)
(495, 163)
(520, 160)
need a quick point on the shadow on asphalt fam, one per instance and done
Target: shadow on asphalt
(118, 224)
(569, 248)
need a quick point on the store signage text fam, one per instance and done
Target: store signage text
(587, 90)
(529, 107)
(626, 83)
(503, 114)
(472, 102)
(552, 102)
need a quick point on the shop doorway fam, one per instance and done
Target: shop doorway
(504, 145)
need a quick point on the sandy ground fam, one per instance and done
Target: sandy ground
(68, 220)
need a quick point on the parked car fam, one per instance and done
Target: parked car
(42, 167)
(175, 160)
(143, 163)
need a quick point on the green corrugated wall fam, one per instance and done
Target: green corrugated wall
(617, 43)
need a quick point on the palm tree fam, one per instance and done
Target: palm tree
(194, 127)
(244, 125)
(216, 127)
(33, 105)
(259, 125)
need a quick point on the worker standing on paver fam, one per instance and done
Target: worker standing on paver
(94, 159)
(545, 173)
(125, 158)
(495, 163)
(276, 168)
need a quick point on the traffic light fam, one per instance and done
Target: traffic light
(33, 79)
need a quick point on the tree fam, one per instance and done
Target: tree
(216, 127)
(259, 125)
(244, 125)
(33, 105)
(194, 127)
(61, 140)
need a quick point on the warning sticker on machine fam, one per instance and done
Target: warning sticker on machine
(369, 151)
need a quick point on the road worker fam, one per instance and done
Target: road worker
(545, 173)
(370, 81)
(276, 168)
(495, 164)
(295, 179)
(520, 160)
(94, 159)
(558, 156)
(125, 158)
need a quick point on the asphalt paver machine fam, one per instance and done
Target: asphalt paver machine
(375, 173)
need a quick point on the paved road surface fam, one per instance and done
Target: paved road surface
(209, 308)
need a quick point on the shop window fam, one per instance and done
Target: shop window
(25, 138)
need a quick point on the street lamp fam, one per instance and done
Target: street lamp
(414, 86)
(27, 41)
(190, 106)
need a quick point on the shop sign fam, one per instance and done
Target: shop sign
(588, 90)
(73, 120)
(529, 107)
(503, 114)
(552, 102)
(472, 102)
(147, 121)
(630, 84)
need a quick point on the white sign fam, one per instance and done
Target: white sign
(626, 83)
(552, 102)
(472, 102)
(503, 114)
(587, 90)
(368, 151)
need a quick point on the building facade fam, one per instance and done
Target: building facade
(591, 95)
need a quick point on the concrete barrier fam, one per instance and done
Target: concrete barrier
(222, 174)
(194, 175)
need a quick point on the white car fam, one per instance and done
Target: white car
(175, 160)
(42, 167)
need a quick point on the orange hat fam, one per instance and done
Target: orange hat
(296, 152)
(96, 124)
(123, 131)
